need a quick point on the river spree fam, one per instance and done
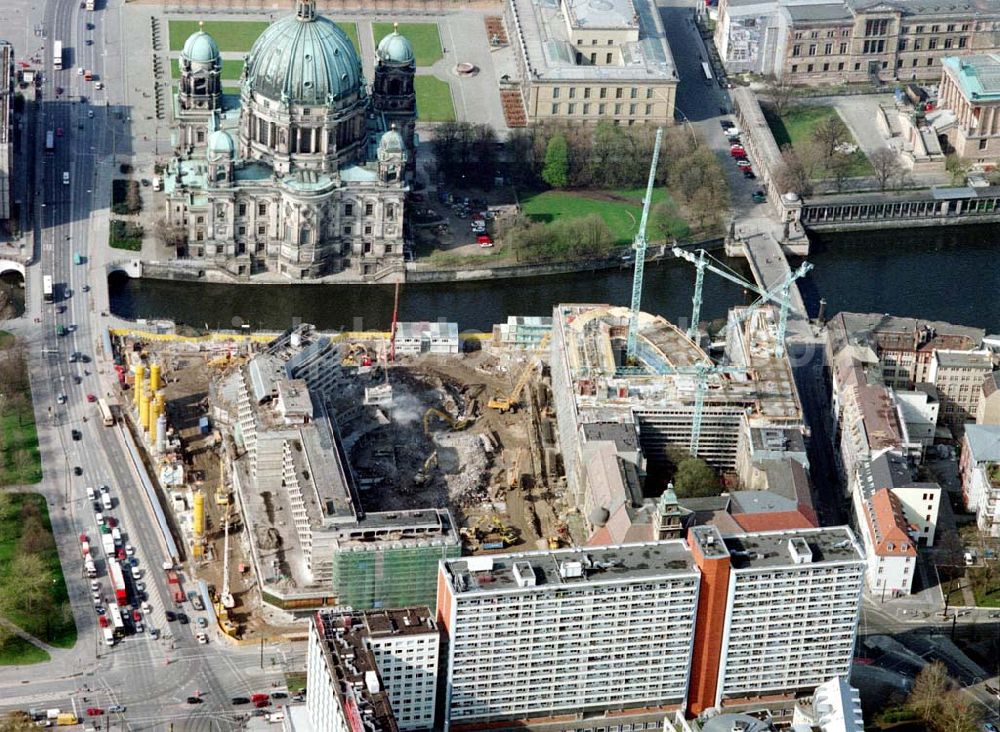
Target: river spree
(950, 274)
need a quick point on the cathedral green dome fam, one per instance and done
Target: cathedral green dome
(201, 48)
(304, 59)
(395, 48)
(221, 142)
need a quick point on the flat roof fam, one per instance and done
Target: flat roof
(611, 564)
(818, 12)
(833, 544)
(964, 359)
(543, 37)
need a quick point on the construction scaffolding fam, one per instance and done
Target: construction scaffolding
(389, 577)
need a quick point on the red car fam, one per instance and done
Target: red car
(110, 521)
(91, 398)
(484, 241)
(121, 555)
(94, 711)
(744, 165)
(102, 620)
(136, 616)
(259, 698)
(737, 152)
(83, 538)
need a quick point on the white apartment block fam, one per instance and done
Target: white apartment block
(980, 470)
(380, 666)
(568, 633)
(792, 611)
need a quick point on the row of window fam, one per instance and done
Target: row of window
(879, 27)
(879, 46)
(810, 68)
(633, 109)
(602, 92)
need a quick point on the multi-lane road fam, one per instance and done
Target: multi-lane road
(151, 678)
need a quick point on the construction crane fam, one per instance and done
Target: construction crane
(392, 329)
(503, 403)
(779, 294)
(701, 371)
(639, 245)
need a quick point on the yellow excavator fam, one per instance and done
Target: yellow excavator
(504, 403)
(455, 424)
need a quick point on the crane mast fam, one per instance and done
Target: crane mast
(639, 245)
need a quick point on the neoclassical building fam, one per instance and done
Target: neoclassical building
(305, 172)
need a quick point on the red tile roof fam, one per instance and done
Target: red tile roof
(888, 526)
(775, 521)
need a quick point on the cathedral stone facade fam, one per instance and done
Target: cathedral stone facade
(305, 173)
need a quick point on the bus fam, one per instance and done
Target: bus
(50, 142)
(57, 55)
(115, 614)
(47, 288)
(706, 70)
(106, 416)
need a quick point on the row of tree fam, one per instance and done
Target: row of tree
(941, 703)
(531, 241)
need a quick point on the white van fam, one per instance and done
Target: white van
(91, 493)
(136, 573)
(106, 501)
(65, 177)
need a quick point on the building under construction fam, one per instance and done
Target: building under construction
(615, 416)
(312, 541)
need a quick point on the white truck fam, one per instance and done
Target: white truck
(108, 542)
(106, 501)
(109, 636)
(116, 535)
(90, 568)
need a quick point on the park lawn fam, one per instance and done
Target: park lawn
(18, 652)
(231, 35)
(231, 69)
(19, 433)
(55, 624)
(799, 123)
(424, 37)
(434, 103)
(621, 211)
(351, 29)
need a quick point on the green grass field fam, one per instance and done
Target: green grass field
(798, 124)
(18, 652)
(231, 69)
(54, 624)
(424, 36)
(621, 211)
(231, 35)
(237, 36)
(434, 102)
(20, 463)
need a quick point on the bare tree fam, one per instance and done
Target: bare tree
(828, 134)
(958, 167)
(929, 690)
(886, 165)
(839, 168)
(957, 713)
(780, 92)
(169, 235)
(17, 721)
(791, 175)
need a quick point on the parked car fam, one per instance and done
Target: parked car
(194, 700)
(94, 711)
(171, 616)
(237, 700)
(116, 709)
(758, 196)
(77, 435)
(182, 619)
(749, 175)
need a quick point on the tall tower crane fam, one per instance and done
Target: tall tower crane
(639, 245)
(779, 294)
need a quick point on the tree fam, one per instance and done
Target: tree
(780, 92)
(35, 539)
(556, 170)
(17, 721)
(22, 463)
(169, 235)
(791, 175)
(959, 169)
(957, 713)
(886, 165)
(828, 134)
(27, 587)
(695, 478)
(839, 168)
(928, 691)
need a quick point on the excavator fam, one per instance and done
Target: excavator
(504, 403)
(455, 424)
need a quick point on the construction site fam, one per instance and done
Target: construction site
(470, 431)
